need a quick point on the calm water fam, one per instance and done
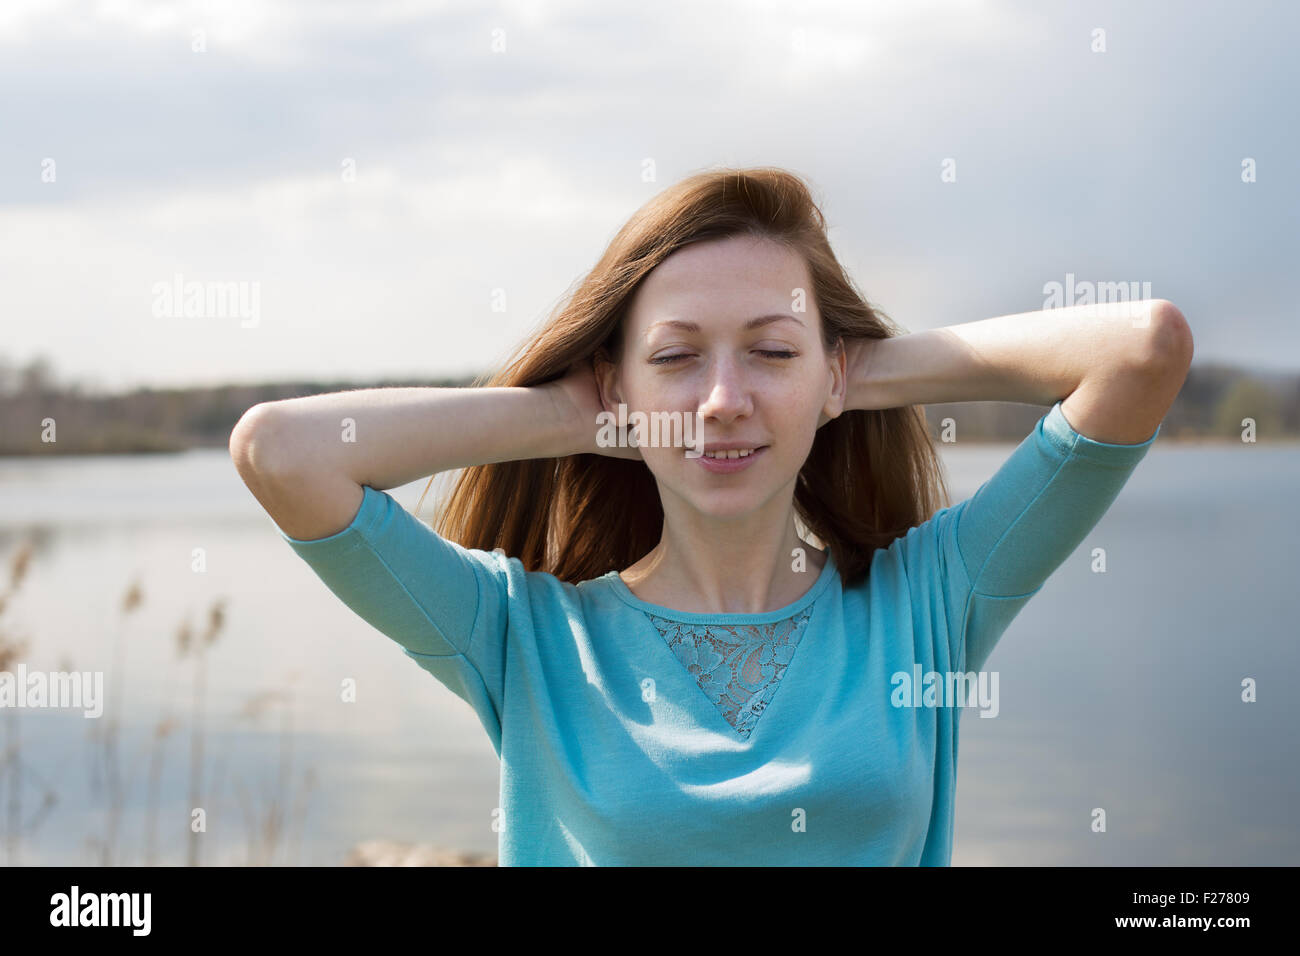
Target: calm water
(1119, 691)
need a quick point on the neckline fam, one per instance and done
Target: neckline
(624, 593)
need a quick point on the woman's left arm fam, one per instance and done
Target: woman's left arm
(1115, 368)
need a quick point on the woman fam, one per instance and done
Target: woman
(669, 670)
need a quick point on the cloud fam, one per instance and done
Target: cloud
(503, 146)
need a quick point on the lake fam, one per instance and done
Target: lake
(1119, 690)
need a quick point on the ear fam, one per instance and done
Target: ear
(835, 397)
(607, 381)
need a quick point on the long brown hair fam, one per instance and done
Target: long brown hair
(870, 476)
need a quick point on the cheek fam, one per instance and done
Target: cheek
(796, 409)
(642, 392)
(794, 425)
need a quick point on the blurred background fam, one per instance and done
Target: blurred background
(212, 204)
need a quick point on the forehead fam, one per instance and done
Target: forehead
(721, 281)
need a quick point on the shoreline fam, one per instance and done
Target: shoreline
(394, 853)
(136, 452)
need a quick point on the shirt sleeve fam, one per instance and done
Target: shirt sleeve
(444, 604)
(1000, 545)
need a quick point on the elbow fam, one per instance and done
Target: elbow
(252, 442)
(1169, 346)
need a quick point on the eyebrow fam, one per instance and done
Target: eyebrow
(762, 320)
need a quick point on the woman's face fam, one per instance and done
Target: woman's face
(725, 333)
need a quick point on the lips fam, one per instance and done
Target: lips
(730, 452)
(723, 461)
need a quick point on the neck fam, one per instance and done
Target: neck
(749, 564)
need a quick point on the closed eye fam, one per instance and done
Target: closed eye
(766, 353)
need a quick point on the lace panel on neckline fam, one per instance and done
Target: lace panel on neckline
(737, 666)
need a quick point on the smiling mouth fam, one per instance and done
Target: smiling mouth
(732, 453)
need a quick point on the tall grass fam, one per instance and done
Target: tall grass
(284, 804)
(197, 650)
(11, 766)
(269, 814)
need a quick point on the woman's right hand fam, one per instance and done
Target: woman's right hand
(577, 396)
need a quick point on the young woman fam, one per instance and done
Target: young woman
(695, 659)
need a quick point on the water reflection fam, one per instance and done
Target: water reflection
(1119, 691)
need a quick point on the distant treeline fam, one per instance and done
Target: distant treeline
(143, 420)
(1212, 404)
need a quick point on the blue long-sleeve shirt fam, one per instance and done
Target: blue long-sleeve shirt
(630, 733)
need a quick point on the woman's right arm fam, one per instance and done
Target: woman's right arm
(306, 459)
(322, 478)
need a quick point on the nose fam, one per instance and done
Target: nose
(727, 394)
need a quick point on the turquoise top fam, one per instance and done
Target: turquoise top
(634, 734)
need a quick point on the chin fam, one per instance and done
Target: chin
(744, 494)
(729, 507)
(729, 503)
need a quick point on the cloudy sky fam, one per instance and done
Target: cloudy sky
(375, 170)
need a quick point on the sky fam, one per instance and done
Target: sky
(407, 189)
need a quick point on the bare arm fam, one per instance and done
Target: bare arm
(1115, 371)
(306, 459)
